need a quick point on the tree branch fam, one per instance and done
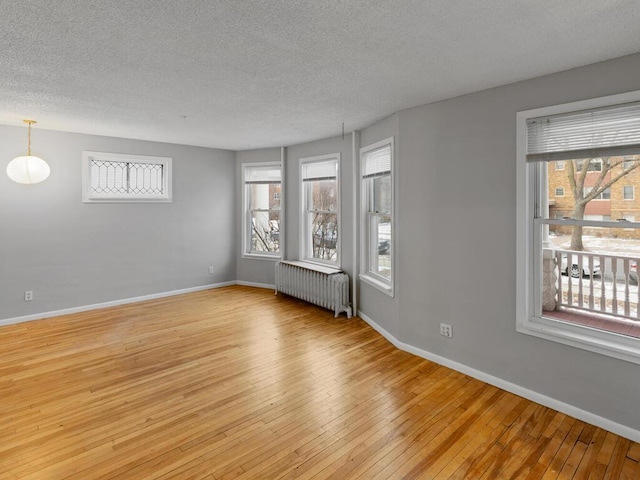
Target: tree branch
(599, 187)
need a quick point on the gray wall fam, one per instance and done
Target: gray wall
(457, 242)
(73, 254)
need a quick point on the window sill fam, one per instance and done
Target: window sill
(127, 200)
(588, 338)
(383, 287)
(313, 261)
(257, 256)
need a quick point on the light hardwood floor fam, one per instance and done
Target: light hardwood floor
(238, 383)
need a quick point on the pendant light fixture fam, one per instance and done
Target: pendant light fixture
(29, 168)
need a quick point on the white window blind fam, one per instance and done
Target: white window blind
(262, 175)
(318, 171)
(377, 162)
(600, 132)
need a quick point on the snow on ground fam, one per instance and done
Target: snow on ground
(624, 246)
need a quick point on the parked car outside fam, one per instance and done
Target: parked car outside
(576, 271)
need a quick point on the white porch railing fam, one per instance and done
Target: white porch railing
(598, 283)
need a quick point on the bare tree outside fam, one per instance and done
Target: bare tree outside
(324, 219)
(577, 171)
(264, 212)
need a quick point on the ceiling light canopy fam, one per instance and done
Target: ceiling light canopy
(28, 169)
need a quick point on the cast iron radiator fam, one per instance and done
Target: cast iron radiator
(324, 286)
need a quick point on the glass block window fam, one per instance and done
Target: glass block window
(113, 177)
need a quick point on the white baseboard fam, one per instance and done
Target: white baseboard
(113, 303)
(253, 284)
(567, 409)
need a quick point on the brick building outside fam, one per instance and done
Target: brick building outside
(620, 202)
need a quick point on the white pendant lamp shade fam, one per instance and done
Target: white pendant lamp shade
(28, 168)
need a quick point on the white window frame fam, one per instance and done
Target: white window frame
(559, 164)
(633, 192)
(247, 215)
(367, 242)
(90, 197)
(306, 243)
(529, 248)
(561, 190)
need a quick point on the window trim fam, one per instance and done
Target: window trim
(303, 239)
(88, 197)
(561, 190)
(559, 164)
(246, 253)
(528, 264)
(367, 276)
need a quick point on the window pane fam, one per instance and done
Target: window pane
(321, 195)
(265, 231)
(108, 177)
(382, 194)
(628, 192)
(145, 178)
(381, 249)
(263, 196)
(597, 265)
(324, 235)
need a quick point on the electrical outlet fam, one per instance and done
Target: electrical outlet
(211, 270)
(446, 330)
(28, 295)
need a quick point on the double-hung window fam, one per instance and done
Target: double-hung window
(262, 200)
(376, 167)
(578, 255)
(320, 232)
(116, 177)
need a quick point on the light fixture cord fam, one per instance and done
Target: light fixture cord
(29, 140)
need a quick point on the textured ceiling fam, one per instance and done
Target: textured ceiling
(248, 74)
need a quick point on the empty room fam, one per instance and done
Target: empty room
(319, 240)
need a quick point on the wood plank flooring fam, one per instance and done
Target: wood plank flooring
(236, 383)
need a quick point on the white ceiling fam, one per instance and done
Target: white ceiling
(242, 74)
